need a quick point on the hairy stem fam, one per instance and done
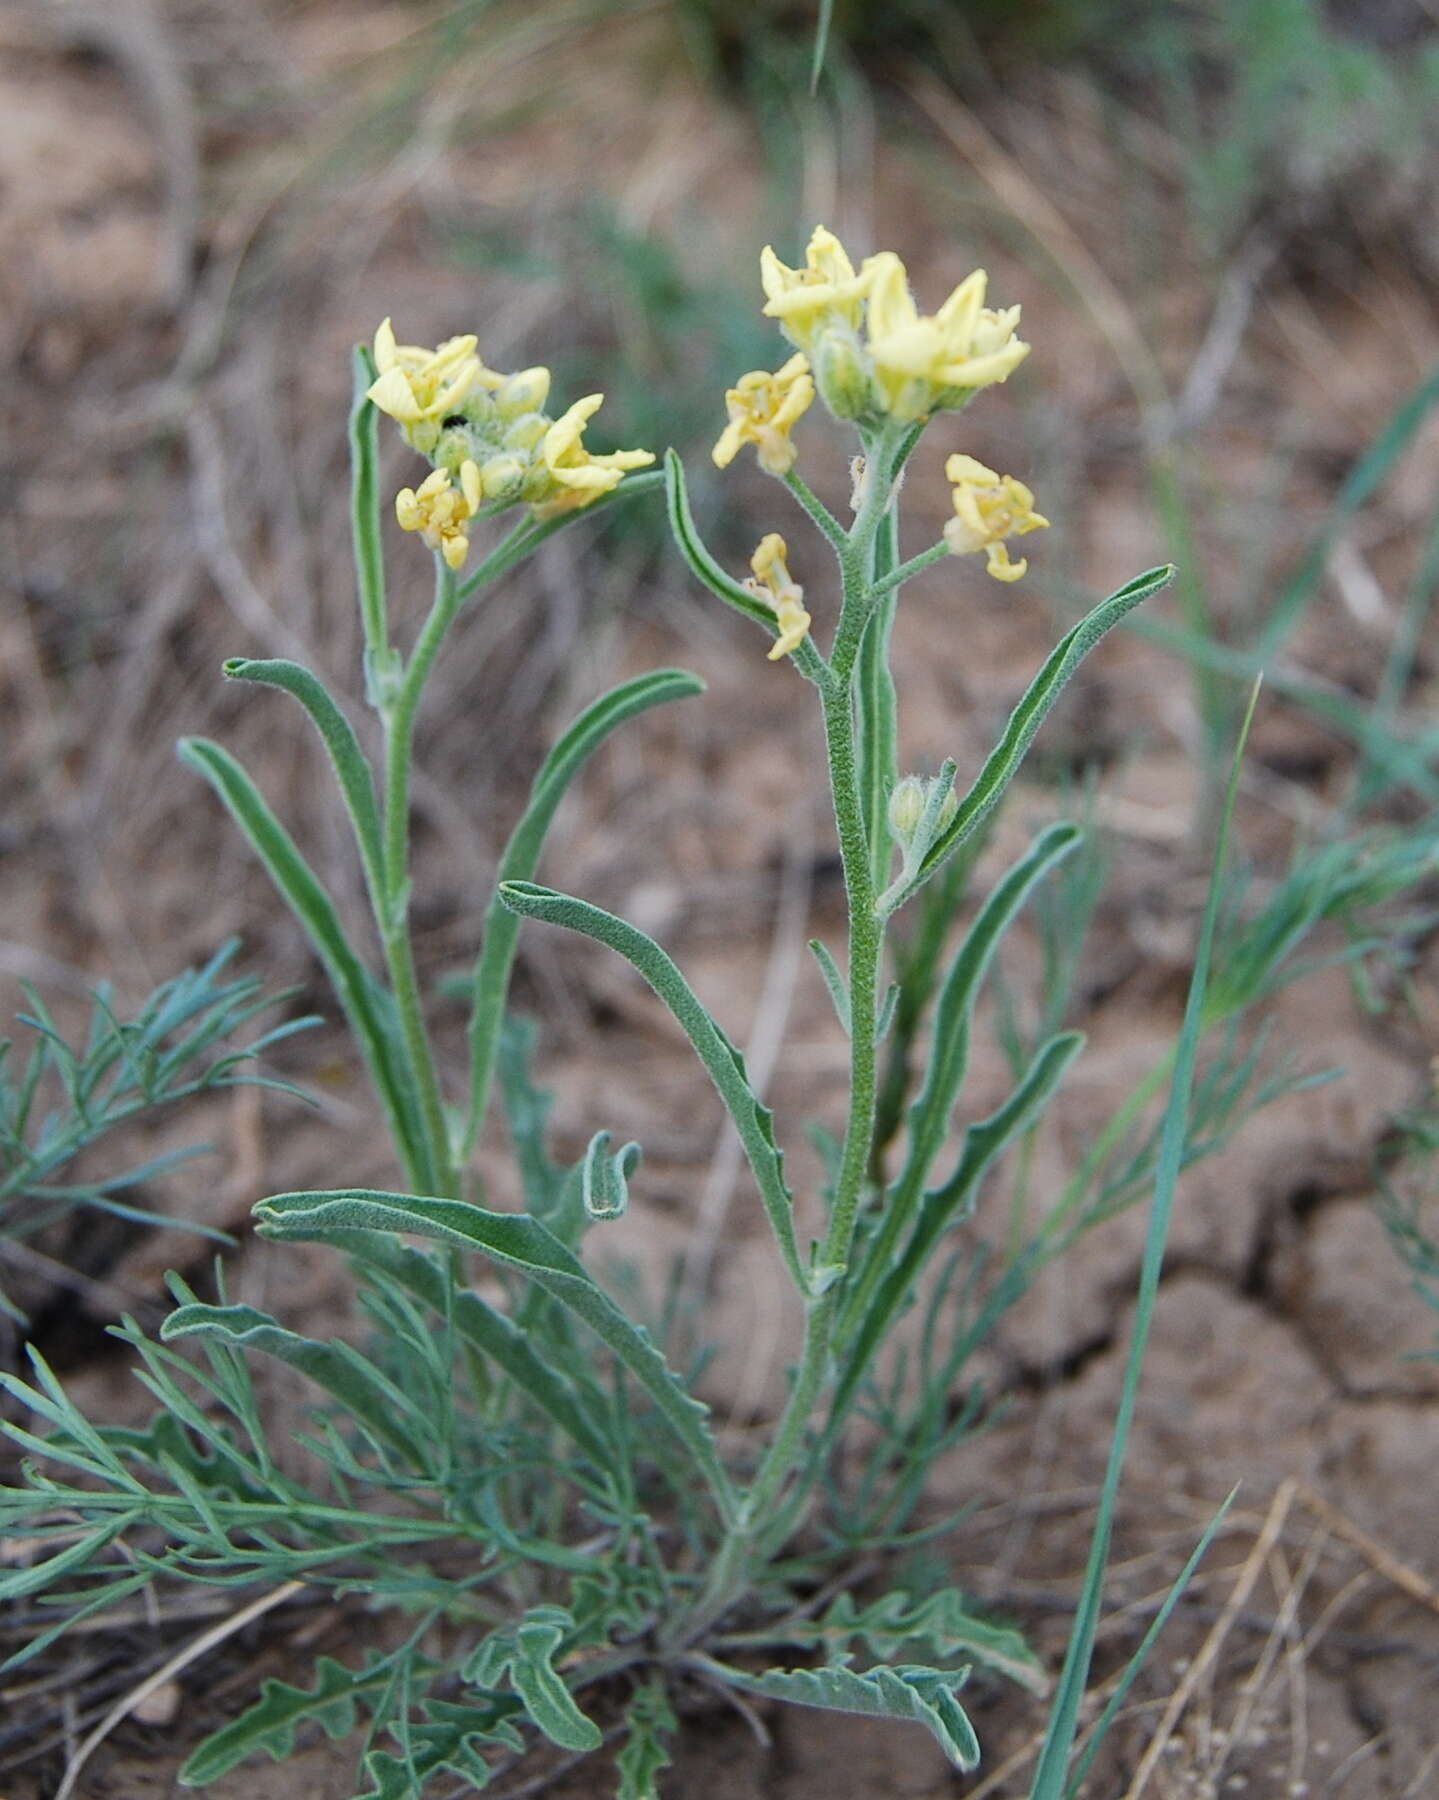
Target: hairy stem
(437, 1166)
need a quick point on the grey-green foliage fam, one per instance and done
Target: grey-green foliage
(504, 1462)
(63, 1094)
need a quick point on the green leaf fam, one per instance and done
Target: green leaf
(926, 1696)
(271, 1723)
(645, 1751)
(367, 1006)
(752, 1119)
(1004, 760)
(527, 1113)
(1051, 1773)
(499, 1338)
(940, 1622)
(521, 858)
(605, 1178)
(527, 1650)
(833, 980)
(702, 565)
(385, 1409)
(930, 1114)
(983, 1142)
(445, 1738)
(526, 1245)
(365, 500)
(352, 770)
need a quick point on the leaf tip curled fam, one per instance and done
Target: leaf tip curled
(525, 897)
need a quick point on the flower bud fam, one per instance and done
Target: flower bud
(841, 373)
(906, 809)
(526, 432)
(502, 477)
(525, 392)
(909, 800)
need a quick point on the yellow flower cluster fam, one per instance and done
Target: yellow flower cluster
(987, 509)
(489, 439)
(774, 584)
(907, 365)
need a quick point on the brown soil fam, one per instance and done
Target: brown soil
(202, 211)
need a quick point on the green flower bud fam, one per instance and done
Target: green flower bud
(526, 432)
(502, 477)
(842, 373)
(906, 809)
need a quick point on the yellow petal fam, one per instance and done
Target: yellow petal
(385, 346)
(959, 468)
(393, 394)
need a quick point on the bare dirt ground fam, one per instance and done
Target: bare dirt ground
(197, 227)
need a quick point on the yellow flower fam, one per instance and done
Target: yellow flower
(774, 584)
(441, 512)
(576, 477)
(916, 357)
(763, 410)
(989, 508)
(417, 386)
(825, 291)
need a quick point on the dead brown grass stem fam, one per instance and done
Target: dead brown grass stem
(187, 1654)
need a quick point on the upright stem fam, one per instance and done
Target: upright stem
(729, 1571)
(399, 720)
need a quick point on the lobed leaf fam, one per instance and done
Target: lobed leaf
(527, 1650)
(913, 1692)
(649, 1724)
(271, 1723)
(941, 1622)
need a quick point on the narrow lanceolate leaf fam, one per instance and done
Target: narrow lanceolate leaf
(525, 1245)
(983, 1142)
(527, 1651)
(949, 1058)
(752, 1119)
(1026, 719)
(702, 565)
(930, 1114)
(382, 1407)
(352, 770)
(913, 1692)
(574, 1400)
(367, 1007)
(522, 856)
(833, 980)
